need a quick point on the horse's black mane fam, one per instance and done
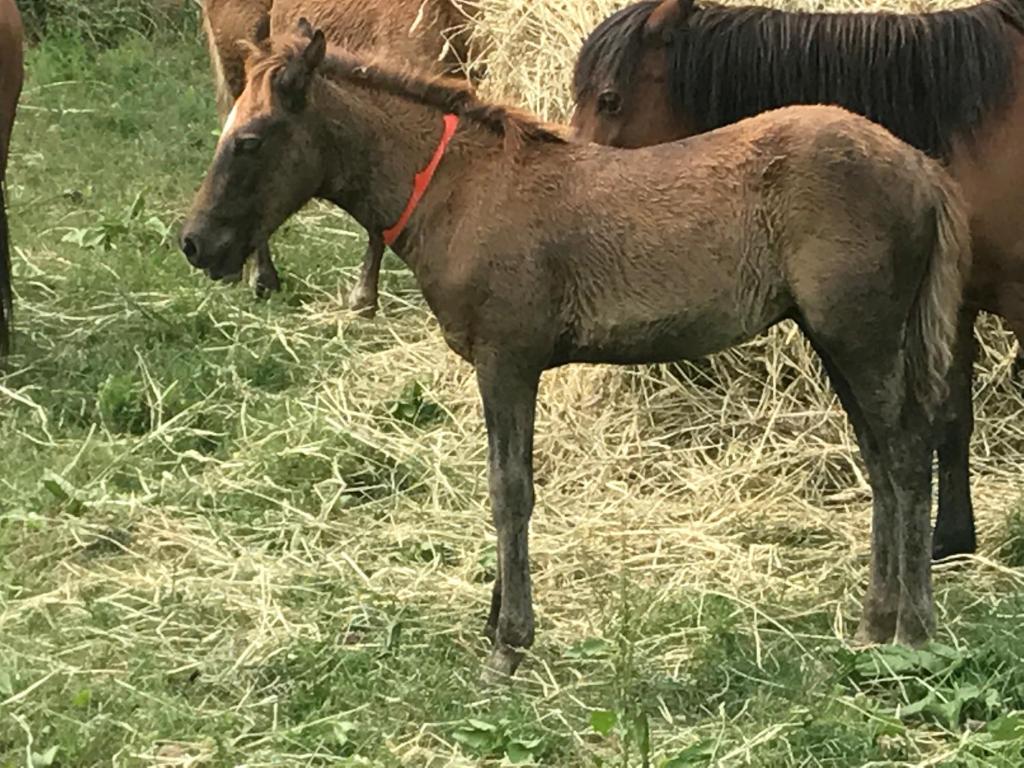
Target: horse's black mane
(928, 78)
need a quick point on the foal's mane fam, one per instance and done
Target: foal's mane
(443, 92)
(928, 78)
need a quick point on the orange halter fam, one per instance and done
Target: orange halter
(422, 180)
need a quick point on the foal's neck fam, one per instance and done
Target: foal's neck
(375, 144)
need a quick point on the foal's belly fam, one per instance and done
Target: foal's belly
(665, 339)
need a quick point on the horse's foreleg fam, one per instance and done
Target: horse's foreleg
(266, 280)
(363, 297)
(509, 399)
(954, 525)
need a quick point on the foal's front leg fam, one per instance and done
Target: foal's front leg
(509, 398)
(363, 297)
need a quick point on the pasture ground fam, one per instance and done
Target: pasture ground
(241, 532)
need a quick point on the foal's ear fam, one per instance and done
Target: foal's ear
(666, 19)
(294, 80)
(314, 54)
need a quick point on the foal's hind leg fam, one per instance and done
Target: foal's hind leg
(873, 382)
(909, 451)
(905, 440)
(363, 297)
(881, 603)
(954, 524)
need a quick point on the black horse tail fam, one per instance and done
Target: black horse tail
(6, 296)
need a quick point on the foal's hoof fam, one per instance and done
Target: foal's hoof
(875, 628)
(362, 303)
(501, 664)
(913, 634)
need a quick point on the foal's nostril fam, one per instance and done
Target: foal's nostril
(190, 247)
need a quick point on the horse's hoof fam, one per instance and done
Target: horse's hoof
(363, 304)
(501, 664)
(942, 549)
(912, 637)
(875, 628)
(367, 311)
(266, 285)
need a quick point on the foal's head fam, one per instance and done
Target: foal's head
(266, 165)
(621, 83)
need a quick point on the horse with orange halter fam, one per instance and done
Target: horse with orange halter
(431, 35)
(11, 74)
(535, 252)
(950, 83)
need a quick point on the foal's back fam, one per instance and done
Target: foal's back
(683, 249)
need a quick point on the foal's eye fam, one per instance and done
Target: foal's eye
(609, 102)
(247, 144)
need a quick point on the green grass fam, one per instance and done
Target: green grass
(235, 531)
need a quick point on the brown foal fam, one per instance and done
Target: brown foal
(534, 252)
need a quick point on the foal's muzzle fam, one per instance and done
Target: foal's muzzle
(217, 257)
(190, 247)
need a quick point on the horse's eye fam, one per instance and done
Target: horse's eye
(609, 102)
(247, 143)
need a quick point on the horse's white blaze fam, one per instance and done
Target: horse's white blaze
(228, 124)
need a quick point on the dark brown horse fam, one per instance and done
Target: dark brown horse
(432, 35)
(950, 83)
(534, 252)
(10, 89)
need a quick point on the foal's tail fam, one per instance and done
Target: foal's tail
(6, 296)
(932, 331)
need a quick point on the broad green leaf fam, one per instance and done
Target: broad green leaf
(480, 741)
(44, 759)
(589, 648)
(602, 721)
(696, 754)
(1007, 728)
(917, 707)
(518, 753)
